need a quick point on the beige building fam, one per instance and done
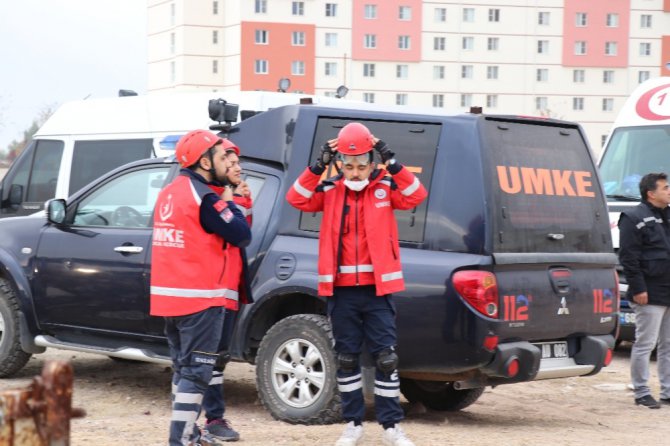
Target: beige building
(568, 59)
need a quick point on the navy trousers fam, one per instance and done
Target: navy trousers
(214, 404)
(357, 314)
(193, 341)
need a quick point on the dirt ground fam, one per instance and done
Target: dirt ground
(129, 404)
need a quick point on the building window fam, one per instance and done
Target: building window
(542, 46)
(401, 99)
(173, 72)
(542, 75)
(370, 11)
(215, 37)
(368, 70)
(643, 76)
(298, 8)
(466, 71)
(370, 41)
(403, 42)
(580, 48)
(492, 72)
(603, 140)
(645, 21)
(541, 103)
(331, 39)
(215, 66)
(298, 38)
(438, 71)
(645, 49)
(369, 97)
(298, 68)
(608, 104)
(215, 7)
(438, 100)
(468, 14)
(492, 101)
(612, 20)
(578, 76)
(440, 15)
(439, 43)
(468, 43)
(578, 104)
(608, 77)
(492, 43)
(261, 37)
(466, 100)
(173, 40)
(173, 14)
(330, 69)
(404, 13)
(543, 18)
(402, 71)
(610, 48)
(260, 6)
(580, 19)
(261, 66)
(331, 9)
(494, 15)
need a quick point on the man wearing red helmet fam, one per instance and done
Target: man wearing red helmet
(195, 223)
(359, 267)
(213, 403)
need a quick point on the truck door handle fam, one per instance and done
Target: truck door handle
(129, 249)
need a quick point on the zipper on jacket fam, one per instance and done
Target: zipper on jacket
(356, 237)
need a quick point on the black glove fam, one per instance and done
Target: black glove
(384, 152)
(326, 156)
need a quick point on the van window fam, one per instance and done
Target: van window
(92, 159)
(415, 145)
(36, 171)
(632, 153)
(546, 194)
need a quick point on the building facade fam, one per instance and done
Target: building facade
(567, 59)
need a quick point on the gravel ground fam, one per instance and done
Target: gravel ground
(128, 403)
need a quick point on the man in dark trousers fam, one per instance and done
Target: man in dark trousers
(213, 404)
(644, 253)
(195, 223)
(359, 267)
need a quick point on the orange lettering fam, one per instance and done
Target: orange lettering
(562, 182)
(583, 183)
(537, 181)
(504, 180)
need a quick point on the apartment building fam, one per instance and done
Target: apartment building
(568, 59)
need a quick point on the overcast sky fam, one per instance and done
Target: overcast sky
(53, 51)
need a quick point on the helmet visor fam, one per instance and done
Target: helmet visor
(363, 159)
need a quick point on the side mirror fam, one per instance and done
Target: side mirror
(55, 209)
(15, 195)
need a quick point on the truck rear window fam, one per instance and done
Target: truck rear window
(545, 192)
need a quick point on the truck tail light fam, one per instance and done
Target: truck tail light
(608, 357)
(479, 289)
(617, 307)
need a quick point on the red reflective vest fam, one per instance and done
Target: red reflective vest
(190, 269)
(378, 199)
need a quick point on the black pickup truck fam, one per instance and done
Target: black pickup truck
(508, 264)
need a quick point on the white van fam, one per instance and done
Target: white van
(639, 143)
(84, 139)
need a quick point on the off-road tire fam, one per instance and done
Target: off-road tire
(436, 395)
(301, 330)
(12, 357)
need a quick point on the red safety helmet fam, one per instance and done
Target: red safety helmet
(229, 146)
(192, 145)
(354, 139)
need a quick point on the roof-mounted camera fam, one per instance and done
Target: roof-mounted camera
(222, 112)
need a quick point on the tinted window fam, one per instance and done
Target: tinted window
(44, 174)
(414, 143)
(92, 159)
(125, 201)
(546, 195)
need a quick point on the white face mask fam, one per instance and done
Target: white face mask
(356, 186)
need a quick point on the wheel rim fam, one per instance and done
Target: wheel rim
(298, 373)
(2, 326)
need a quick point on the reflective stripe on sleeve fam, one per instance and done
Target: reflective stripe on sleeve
(186, 292)
(302, 190)
(325, 278)
(391, 276)
(409, 190)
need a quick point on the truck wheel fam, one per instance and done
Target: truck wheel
(295, 371)
(438, 395)
(12, 358)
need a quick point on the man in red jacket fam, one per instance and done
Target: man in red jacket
(359, 267)
(195, 224)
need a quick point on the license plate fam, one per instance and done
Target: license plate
(553, 349)
(627, 318)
